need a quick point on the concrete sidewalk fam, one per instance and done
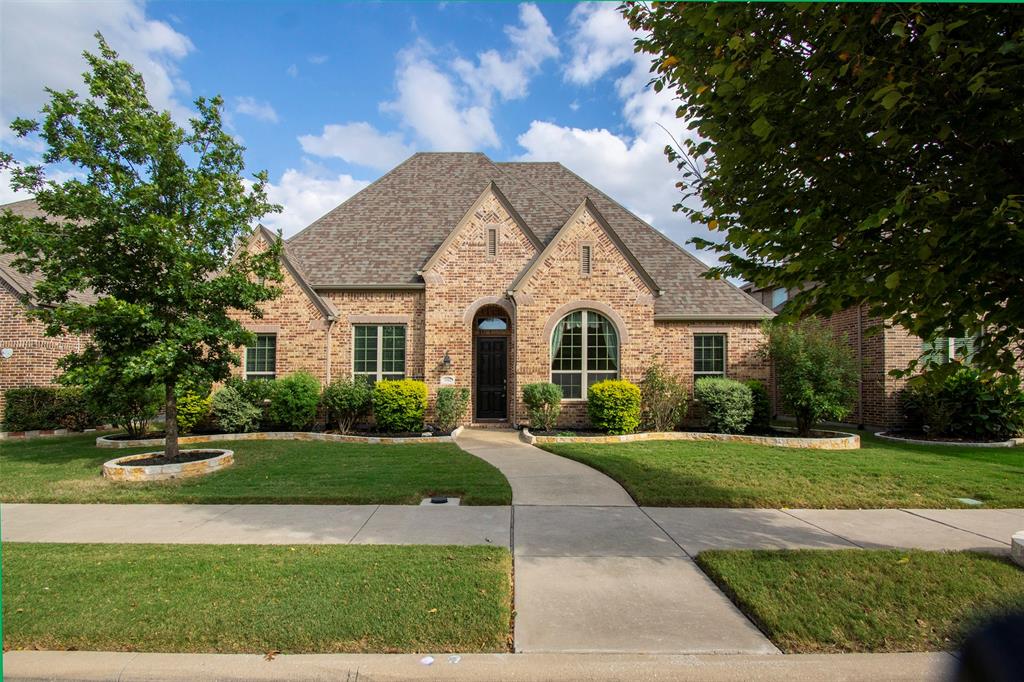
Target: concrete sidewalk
(265, 524)
(36, 666)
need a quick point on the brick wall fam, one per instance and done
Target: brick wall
(34, 362)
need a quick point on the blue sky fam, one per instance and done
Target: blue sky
(328, 96)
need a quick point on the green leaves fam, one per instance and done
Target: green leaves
(874, 151)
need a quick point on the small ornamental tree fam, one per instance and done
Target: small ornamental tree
(816, 374)
(148, 226)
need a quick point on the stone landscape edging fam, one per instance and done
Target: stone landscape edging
(1009, 443)
(45, 433)
(119, 469)
(105, 442)
(839, 441)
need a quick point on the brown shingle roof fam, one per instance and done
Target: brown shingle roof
(384, 234)
(25, 284)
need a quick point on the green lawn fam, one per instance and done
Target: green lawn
(68, 470)
(880, 474)
(865, 601)
(256, 598)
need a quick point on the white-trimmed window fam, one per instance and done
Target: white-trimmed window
(708, 355)
(584, 350)
(261, 358)
(943, 349)
(378, 351)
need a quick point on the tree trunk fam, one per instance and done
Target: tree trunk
(171, 421)
(803, 426)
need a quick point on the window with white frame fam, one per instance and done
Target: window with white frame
(584, 350)
(261, 358)
(708, 355)
(378, 352)
(943, 349)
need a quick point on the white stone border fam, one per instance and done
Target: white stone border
(1011, 443)
(45, 433)
(106, 442)
(835, 440)
(120, 469)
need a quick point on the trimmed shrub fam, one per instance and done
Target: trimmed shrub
(815, 372)
(614, 406)
(192, 409)
(728, 404)
(233, 412)
(47, 407)
(347, 401)
(663, 400)
(762, 419)
(128, 405)
(543, 404)
(399, 406)
(294, 400)
(960, 402)
(451, 405)
(257, 393)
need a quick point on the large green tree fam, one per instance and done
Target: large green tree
(875, 151)
(151, 225)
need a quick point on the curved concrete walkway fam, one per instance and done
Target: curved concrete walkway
(593, 571)
(540, 478)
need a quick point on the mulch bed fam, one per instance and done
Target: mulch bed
(181, 458)
(146, 436)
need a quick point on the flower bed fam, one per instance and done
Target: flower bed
(106, 442)
(823, 440)
(190, 463)
(1009, 443)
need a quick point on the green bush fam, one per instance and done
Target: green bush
(192, 410)
(399, 406)
(762, 419)
(294, 400)
(47, 407)
(347, 401)
(543, 405)
(959, 402)
(233, 412)
(728, 404)
(663, 400)
(815, 372)
(129, 405)
(451, 405)
(614, 406)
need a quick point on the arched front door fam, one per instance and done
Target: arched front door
(491, 330)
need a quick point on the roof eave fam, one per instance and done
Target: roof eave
(711, 317)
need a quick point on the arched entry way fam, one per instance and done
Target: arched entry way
(492, 331)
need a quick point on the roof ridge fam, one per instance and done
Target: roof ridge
(703, 266)
(537, 187)
(344, 203)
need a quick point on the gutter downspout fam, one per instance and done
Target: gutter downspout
(514, 370)
(860, 365)
(327, 348)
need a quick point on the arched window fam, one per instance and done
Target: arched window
(584, 350)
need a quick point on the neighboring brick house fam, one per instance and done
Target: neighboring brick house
(458, 270)
(27, 356)
(878, 349)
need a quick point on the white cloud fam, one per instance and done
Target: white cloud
(306, 195)
(358, 143)
(629, 165)
(318, 59)
(430, 104)
(250, 106)
(41, 45)
(293, 71)
(533, 43)
(602, 41)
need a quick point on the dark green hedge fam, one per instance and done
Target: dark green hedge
(30, 409)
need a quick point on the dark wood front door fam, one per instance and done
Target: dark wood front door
(491, 377)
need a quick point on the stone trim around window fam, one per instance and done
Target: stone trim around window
(378, 319)
(473, 308)
(597, 307)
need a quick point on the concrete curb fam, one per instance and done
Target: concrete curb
(26, 666)
(1011, 443)
(839, 440)
(105, 442)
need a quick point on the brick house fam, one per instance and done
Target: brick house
(458, 270)
(878, 348)
(27, 356)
